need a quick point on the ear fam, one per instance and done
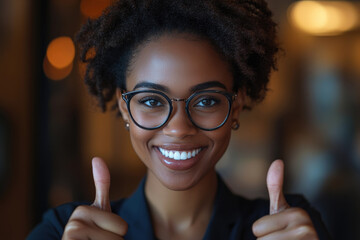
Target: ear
(122, 105)
(238, 104)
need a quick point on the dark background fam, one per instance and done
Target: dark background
(50, 129)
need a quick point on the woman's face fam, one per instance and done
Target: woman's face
(177, 64)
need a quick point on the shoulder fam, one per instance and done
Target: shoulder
(54, 220)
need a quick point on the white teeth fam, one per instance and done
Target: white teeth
(179, 155)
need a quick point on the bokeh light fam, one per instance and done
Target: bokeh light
(61, 52)
(324, 18)
(54, 73)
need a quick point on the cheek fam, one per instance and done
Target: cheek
(223, 140)
(220, 138)
(139, 139)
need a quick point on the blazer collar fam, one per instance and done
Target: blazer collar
(227, 214)
(135, 211)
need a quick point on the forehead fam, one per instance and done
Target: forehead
(179, 63)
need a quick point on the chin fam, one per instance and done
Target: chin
(178, 181)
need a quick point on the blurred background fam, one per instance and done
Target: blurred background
(50, 128)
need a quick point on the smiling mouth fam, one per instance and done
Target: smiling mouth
(179, 155)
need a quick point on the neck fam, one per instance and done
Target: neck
(181, 210)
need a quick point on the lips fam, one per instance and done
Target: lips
(179, 157)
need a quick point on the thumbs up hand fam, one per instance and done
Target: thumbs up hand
(96, 221)
(102, 184)
(274, 181)
(284, 222)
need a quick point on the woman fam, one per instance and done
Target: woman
(181, 72)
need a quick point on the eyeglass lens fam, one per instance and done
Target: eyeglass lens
(207, 110)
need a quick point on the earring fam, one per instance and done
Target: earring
(127, 126)
(235, 126)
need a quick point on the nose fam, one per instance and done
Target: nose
(179, 125)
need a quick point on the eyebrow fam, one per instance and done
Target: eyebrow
(206, 85)
(193, 89)
(152, 85)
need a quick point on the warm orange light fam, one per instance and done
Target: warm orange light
(324, 18)
(61, 52)
(54, 73)
(93, 8)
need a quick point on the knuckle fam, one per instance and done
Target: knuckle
(125, 226)
(122, 227)
(256, 229)
(296, 214)
(82, 208)
(81, 212)
(74, 227)
(306, 232)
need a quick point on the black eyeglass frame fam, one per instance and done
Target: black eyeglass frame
(129, 95)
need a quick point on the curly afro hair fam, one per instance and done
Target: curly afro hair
(241, 30)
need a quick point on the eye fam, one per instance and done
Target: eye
(206, 101)
(151, 102)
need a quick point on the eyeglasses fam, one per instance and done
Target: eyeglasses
(151, 109)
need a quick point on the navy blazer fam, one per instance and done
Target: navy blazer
(232, 216)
